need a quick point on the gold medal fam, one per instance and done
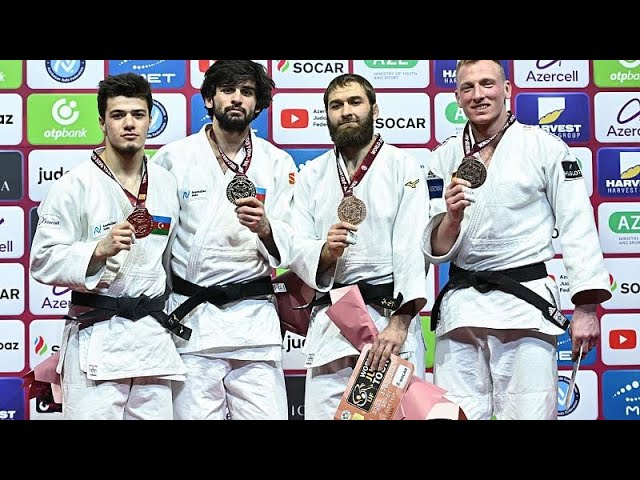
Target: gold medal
(240, 187)
(352, 210)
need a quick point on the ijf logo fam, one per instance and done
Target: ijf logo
(65, 71)
(564, 115)
(159, 119)
(619, 172)
(621, 394)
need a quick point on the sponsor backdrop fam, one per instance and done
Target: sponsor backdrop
(48, 124)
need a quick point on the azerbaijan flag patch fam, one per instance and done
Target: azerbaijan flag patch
(161, 225)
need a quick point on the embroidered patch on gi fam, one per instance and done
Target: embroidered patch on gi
(49, 221)
(435, 185)
(102, 228)
(191, 194)
(412, 183)
(261, 193)
(571, 170)
(161, 225)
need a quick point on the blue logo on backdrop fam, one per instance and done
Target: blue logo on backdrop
(65, 71)
(563, 391)
(564, 351)
(159, 73)
(159, 120)
(11, 399)
(303, 155)
(621, 394)
(445, 72)
(199, 118)
(619, 172)
(566, 115)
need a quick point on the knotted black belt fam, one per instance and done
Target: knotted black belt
(381, 295)
(133, 308)
(216, 294)
(508, 281)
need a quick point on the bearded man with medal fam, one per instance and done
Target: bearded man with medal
(358, 211)
(506, 186)
(104, 229)
(234, 188)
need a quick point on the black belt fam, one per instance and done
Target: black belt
(508, 281)
(133, 308)
(381, 295)
(216, 294)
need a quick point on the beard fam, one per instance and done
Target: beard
(352, 136)
(233, 123)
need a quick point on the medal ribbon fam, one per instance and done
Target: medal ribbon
(347, 187)
(244, 166)
(137, 202)
(466, 137)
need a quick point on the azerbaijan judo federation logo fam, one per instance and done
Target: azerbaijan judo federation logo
(563, 391)
(65, 71)
(159, 120)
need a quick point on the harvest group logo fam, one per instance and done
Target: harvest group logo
(619, 172)
(63, 120)
(564, 115)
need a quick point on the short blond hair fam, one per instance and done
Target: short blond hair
(463, 63)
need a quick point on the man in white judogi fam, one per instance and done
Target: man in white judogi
(496, 343)
(103, 229)
(224, 242)
(383, 249)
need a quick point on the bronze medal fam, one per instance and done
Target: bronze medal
(473, 171)
(240, 187)
(142, 222)
(352, 210)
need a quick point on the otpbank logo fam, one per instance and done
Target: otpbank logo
(394, 73)
(159, 73)
(444, 72)
(566, 115)
(200, 118)
(307, 73)
(619, 172)
(619, 227)
(617, 117)
(10, 74)
(70, 119)
(551, 73)
(621, 394)
(616, 73)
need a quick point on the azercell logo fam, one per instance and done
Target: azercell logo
(69, 119)
(65, 71)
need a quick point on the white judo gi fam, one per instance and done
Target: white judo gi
(116, 368)
(531, 186)
(234, 355)
(387, 250)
